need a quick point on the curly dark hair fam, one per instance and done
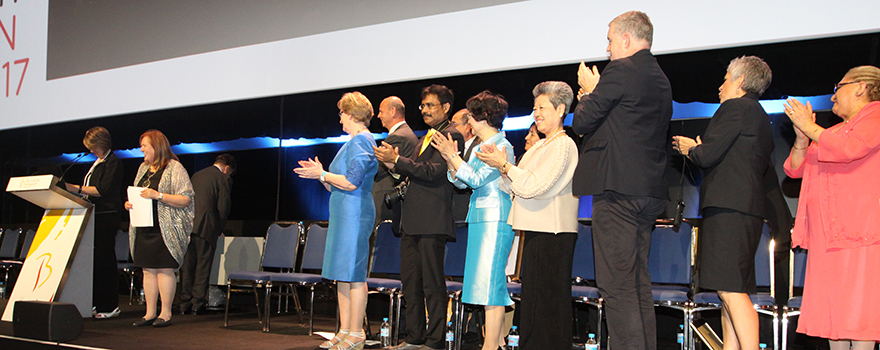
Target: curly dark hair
(489, 107)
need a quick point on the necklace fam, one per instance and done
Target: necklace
(149, 178)
(553, 137)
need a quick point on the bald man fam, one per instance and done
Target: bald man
(391, 114)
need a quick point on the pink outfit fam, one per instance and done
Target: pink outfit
(838, 221)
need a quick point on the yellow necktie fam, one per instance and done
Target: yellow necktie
(427, 140)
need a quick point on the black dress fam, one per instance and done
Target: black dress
(149, 247)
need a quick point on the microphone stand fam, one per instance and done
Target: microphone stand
(61, 180)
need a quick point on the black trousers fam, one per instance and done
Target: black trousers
(195, 272)
(545, 309)
(424, 286)
(105, 285)
(622, 227)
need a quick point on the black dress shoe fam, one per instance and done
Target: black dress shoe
(161, 322)
(200, 311)
(144, 322)
(185, 308)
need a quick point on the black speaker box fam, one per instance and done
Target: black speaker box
(46, 321)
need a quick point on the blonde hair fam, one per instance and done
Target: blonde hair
(871, 76)
(357, 106)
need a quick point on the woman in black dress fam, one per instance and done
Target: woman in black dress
(103, 187)
(159, 249)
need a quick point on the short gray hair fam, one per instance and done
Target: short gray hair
(637, 24)
(558, 92)
(755, 72)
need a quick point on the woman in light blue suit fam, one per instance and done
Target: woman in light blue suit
(489, 236)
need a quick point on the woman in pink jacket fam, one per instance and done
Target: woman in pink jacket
(838, 216)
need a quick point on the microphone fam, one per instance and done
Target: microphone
(61, 179)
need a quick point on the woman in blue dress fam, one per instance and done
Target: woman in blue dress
(489, 236)
(352, 213)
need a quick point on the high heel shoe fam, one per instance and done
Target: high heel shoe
(347, 344)
(336, 340)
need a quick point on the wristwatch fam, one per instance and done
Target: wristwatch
(322, 176)
(160, 196)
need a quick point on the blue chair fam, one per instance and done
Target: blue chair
(315, 238)
(584, 269)
(386, 260)
(670, 267)
(793, 308)
(26, 244)
(764, 303)
(123, 262)
(279, 252)
(453, 266)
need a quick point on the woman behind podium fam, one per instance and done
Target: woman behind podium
(103, 187)
(159, 249)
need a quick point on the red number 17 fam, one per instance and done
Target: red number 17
(20, 81)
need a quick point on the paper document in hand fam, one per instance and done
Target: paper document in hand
(141, 213)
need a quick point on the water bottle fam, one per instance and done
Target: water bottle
(680, 336)
(762, 346)
(450, 337)
(591, 344)
(513, 339)
(385, 333)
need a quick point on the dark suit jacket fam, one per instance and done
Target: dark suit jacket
(624, 123)
(107, 178)
(734, 156)
(406, 141)
(427, 209)
(212, 202)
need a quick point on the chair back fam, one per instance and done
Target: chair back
(313, 253)
(280, 247)
(453, 263)
(763, 259)
(386, 251)
(670, 258)
(584, 265)
(26, 245)
(800, 268)
(9, 243)
(122, 246)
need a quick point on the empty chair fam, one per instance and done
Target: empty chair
(584, 269)
(8, 254)
(670, 267)
(123, 261)
(386, 260)
(793, 308)
(315, 237)
(279, 252)
(26, 244)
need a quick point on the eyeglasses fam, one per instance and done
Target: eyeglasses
(838, 85)
(428, 105)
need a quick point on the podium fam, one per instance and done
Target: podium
(58, 266)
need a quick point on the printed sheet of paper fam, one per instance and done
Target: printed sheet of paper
(141, 212)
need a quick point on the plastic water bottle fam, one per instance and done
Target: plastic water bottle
(592, 343)
(450, 337)
(762, 346)
(385, 333)
(680, 336)
(513, 339)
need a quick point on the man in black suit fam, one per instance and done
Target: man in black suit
(461, 200)
(212, 186)
(393, 118)
(624, 117)
(426, 223)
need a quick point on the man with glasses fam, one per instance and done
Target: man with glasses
(461, 200)
(426, 223)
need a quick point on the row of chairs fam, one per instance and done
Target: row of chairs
(12, 255)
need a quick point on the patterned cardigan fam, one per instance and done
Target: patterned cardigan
(175, 223)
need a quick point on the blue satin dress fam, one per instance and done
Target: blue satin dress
(489, 236)
(352, 213)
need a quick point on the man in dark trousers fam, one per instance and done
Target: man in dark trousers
(392, 115)
(624, 117)
(212, 187)
(426, 223)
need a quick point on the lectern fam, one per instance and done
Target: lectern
(58, 266)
